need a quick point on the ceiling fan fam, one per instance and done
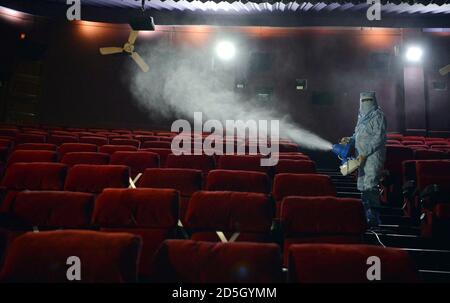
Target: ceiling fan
(445, 70)
(129, 49)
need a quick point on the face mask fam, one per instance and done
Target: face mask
(366, 106)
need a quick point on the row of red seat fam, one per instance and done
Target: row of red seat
(210, 216)
(94, 178)
(395, 156)
(426, 193)
(113, 257)
(72, 154)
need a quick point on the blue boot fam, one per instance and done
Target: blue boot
(371, 202)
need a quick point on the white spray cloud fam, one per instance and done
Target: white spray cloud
(183, 81)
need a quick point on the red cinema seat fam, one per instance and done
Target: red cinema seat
(32, 156)
(145, 138)
(36, 146)
(204, 163)
(43, 257)
(150, 213)
(322, 220)
(76, 147)
(75, 129)
(165, 139)
(393, 142)
(118, 136)
(184, 261)
(32, 176)
(162, 152)
(58, 140)
(121, 131)
(143, 133)
(293, 156)
(43, 210)
(242, 162)
(238, 181)
(75, 158)
(395, 155)
(295, 167)
(287, 147)
(9, 132)
(111, 149)
(210, 216)
(137, 161)
(337, 263)
(125, 141)
(436, 217)
(426, 154)
(7, 143)
(407, 143)
(156, 144)
(433, 172)
(285, 185)
(95, 178)
(29, 138)
(414, 147)
(99, 141)
(398, 137)
(186, 181)
(414, 138)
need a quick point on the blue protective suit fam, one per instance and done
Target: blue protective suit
(370, 140)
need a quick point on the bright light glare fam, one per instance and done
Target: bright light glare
(225, 50)
(414, 53)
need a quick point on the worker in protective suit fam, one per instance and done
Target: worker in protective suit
(370, 141)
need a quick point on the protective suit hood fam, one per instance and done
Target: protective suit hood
(367, 103)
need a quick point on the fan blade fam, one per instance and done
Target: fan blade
(133, 36)
(445, 70)
(140, 62)
(110, 50)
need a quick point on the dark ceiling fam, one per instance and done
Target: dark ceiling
(259, 13)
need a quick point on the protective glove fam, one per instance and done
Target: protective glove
(345, 140)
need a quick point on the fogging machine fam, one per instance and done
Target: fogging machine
(348, 163)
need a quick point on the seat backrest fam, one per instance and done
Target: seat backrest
(395, 155)
(99, 141)
(426, 154)
(238, 180)
(334, 263)
(302, 185)
(138, 161)
(125, 141)
(74, 158)
(229, 212)
(111, 149)
(433, 172)
(29, 138)
(204, 163)
(94, 178)
(136, 208)
(156, 144)
(53, 209)
(35, 146)
(76, 147)
(295, 166)
(162, 152)
(206, 262)
(35, 176)
(43, 257)
(32, 156)
(322, 216)
(58, 140)
(186, 181)
(242, 162)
